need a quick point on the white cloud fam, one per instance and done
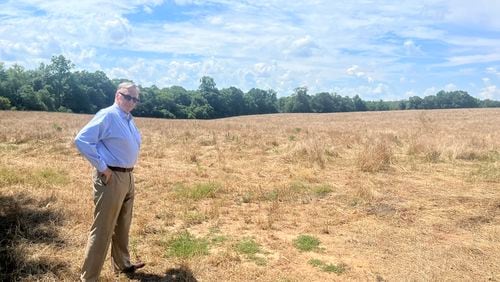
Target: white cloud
(410, 93)
(450, 87)
(493, 70)
(380, 89)
(472, 59)
(116, 31)
(490, 92)
(411, 48)
(430, 91)
(355, 71)
(269, 44)
(302, 47)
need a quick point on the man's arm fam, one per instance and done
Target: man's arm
(86, 142)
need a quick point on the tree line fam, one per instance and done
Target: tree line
(55, 87)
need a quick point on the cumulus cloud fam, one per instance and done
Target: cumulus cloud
(490, 92)
(356, 71)
(450, 87)
(270, 44)
(116, 31)
(302, 47)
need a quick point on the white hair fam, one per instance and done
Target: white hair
(128, 85)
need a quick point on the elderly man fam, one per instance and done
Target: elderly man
(111, 142)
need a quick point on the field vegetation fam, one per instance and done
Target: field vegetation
(372, 196)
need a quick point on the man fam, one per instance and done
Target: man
(111, 142)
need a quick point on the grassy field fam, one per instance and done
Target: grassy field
(374, 196)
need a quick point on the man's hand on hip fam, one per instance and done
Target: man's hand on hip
(107, 175)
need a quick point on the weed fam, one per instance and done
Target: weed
(49, 176)
(11, 177)
(248, 247)
(198, 191)
(251, 250)
(185, 245)
(306, 243)
(316, 262)
(44, 177)
(322, 190)
(56, 127)
(489, 172)
(194, 217)
(334, 268)
(338, 269)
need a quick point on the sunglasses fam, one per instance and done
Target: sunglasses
(130, 98)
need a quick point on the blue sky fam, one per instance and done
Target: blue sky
(376, 49)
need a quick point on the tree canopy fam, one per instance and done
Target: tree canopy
(56, 87)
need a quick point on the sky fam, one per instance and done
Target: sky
(386, 49)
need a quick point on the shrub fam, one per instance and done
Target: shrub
(4, 103)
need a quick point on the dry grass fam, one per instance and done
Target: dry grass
(412, 195)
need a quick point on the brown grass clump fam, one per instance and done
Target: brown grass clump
(390, 196)
(375, 156)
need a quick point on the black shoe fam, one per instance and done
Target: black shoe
(133, 268)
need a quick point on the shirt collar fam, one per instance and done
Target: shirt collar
(123, 114)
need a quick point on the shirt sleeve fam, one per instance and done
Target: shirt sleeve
(87, 139)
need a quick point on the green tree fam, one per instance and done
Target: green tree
(258, 101)
(31, 100)
(59, 73)
(235, 101)
(414, 102)
(322, 103)
(300, 101)
(212, 95)
(359, 104)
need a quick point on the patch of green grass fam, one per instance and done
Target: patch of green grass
(186, 245)
(306, 243)
(50, 176)
(251, 250)
(11, 177)
(322, 190)
(271, 195)
(489, 172)
(56, 126)
(194, 217)
(217, 239)
(44, 177)
(332, 268)
(198, 191)
(316, 262)
(247, 197)
(248, 247)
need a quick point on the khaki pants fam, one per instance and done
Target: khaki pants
(112, 217)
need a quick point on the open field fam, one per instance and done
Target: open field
(374, 196)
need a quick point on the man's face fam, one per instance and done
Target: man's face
(127, 99)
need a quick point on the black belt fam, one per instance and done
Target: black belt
(121, 169)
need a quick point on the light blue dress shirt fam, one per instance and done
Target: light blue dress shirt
(110, 139)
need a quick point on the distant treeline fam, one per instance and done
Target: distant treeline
(55, 87)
